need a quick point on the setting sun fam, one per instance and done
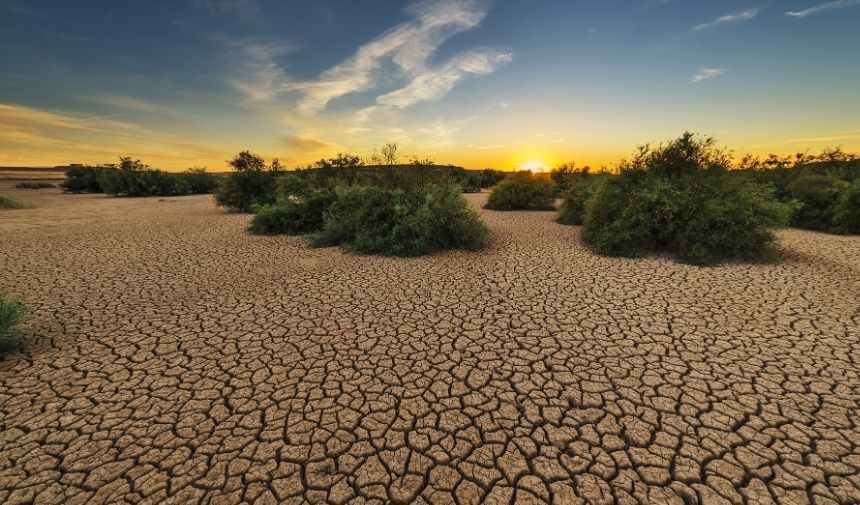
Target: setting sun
(534, 166)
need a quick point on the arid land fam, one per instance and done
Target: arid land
(170, 357)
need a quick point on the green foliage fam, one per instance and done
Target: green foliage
(679, 199)
(572, 209)
(401, 221)
(297, 214)
(522, 191)
(814, 184)
(85, 179)
(7, 202)
(251, 183)
(846, 215)
(34, 185)
(134, 178)
(11, 312)
(817, 196)
(198, 181)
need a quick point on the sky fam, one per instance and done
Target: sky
(504, 84)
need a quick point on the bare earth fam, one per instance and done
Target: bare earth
(172, 358)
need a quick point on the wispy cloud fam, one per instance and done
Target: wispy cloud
(729, 18)
(707, 73)
(827, 6)
(434, 83)
(409, 46)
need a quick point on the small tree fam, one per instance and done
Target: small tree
(251, 183)
(389, 153)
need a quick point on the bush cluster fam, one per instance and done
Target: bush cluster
(680, 199)
(377, 215)
(11, 312)
(401, 222)
(85, 179)
(522, 191)
(821, 188)
(251, 184)
(34, 185)
(134, 178)
(7, 202)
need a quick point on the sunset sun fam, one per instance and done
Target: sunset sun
(534, 166)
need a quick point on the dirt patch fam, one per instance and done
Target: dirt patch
(172, 357)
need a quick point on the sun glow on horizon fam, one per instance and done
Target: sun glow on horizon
(534, 166)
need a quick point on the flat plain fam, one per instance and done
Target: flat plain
(173, 358)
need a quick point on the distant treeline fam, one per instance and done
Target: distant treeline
(256, 182)
(134, 178)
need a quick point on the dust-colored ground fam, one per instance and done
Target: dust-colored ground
(172, 358)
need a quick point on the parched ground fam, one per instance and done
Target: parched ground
(172, 358)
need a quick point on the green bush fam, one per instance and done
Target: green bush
(198, 181)
(294, 215)
(572, 209)
(34, 185)
(522, 191)
(817, 196)
(401, 221)
(7, 202)
(84, 179)
(847, 213)
(679, 199)
(11, 312)
(133, 178)
(251, 183)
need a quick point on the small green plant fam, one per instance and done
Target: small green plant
(11, 312)
(250, 185)
(401, 221)
(34, 185)
(522, 191)
(7, 202)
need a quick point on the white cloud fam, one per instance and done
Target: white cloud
(707, 73)
(434, 83)
(409, 46)
(729, 18)
(827, 6)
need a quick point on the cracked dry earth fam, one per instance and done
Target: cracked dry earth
(172, 358)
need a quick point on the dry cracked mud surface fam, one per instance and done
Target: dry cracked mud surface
(172, 358)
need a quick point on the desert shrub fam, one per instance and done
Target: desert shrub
(84, 179)
(198, 181)
(251, 183)
(401, 221)
(34, 185)
(572, 210)
(134, 178)
(680, 199)
(846, 215)
(470, 183)
(522, 191)
(817, 196)
(11, 312)
(7, 202)
(294, 215)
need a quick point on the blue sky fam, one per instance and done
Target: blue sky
(475, 83)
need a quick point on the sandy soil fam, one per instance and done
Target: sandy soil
(172, 358)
